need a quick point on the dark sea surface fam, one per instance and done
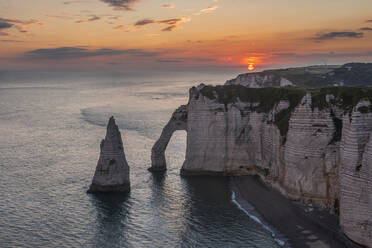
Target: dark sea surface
(50, 131)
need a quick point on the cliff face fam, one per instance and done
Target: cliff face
(355, 176)
(312, 146)
(258, 80)
(236, 138)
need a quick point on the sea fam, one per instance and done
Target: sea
(51, 125)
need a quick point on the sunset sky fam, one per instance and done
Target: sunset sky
(202, 34)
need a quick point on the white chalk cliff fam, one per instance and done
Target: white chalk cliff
(312, 146)
(259, 80)
(355, 176)
(112, 171)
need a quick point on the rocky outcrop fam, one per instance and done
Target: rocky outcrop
(112, 171)
(312, 146)
(285, 82)
(177, 122)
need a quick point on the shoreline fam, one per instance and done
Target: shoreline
(302, 226)
(249, 210)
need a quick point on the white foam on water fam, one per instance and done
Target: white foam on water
(257, 220)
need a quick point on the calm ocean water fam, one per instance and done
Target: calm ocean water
(50, 130)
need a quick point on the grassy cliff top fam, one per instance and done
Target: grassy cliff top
(266, 97)
(346, 97)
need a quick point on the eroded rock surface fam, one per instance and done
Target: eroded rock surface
(312, 146)
(356, 177)
(178, 121)
(112, 171)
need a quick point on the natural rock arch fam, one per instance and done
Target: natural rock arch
(178, 121)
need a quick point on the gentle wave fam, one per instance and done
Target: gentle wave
(44, 180)
(257, 220)
(33, 88)
(95, 117)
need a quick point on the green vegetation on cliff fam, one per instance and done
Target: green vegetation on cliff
(265, 97)
(264, 100)
(344, 97)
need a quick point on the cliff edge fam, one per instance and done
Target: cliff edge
(312, 145)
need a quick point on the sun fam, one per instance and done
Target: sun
(250, 62)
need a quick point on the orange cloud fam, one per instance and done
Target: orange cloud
(206, 10)
(20, 25)
(91, 19)
(125, 5)
(172, 23)
(168, 6)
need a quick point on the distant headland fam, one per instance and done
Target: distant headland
(317, 76)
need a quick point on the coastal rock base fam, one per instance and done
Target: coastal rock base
(109, 188)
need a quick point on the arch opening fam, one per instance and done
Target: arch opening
(175, 153)
(177, 122)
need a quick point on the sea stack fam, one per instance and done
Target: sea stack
(112, 172)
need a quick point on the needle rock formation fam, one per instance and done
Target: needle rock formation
(112, 172)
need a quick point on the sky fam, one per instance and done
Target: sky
(215, 35)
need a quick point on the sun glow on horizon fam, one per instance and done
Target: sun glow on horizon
(251, 62)
(187, 35)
